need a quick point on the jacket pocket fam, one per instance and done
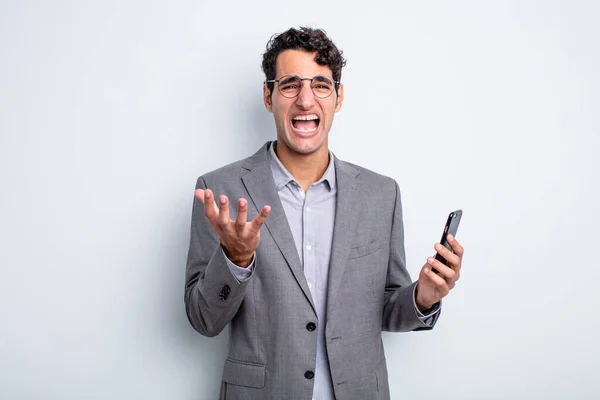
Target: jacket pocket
(365, 250)
(243, 373)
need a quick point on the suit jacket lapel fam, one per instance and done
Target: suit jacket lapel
(346, 218)
(262, 191)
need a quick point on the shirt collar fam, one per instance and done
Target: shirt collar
(282, 177)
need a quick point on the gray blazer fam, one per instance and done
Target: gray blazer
(271, 344)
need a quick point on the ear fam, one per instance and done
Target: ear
(267, 97)
(340, 98)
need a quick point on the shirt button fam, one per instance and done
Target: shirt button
(307, 208)
(311, 326)
(308, 247)
(309, 374)
(309, 285)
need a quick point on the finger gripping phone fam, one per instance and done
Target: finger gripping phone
(450, 228)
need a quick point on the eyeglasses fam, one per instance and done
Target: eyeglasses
(291, 85)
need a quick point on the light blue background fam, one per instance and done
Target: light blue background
(110, 110)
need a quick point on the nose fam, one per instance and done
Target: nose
(306, 97)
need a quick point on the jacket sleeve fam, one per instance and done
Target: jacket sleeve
(213, 294)
(400, 313)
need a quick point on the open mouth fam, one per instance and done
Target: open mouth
(305, 123)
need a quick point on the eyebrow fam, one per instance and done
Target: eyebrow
(288, 78)
(320, 78)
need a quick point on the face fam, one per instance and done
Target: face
(303, 122)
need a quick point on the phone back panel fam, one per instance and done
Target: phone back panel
(450, 228)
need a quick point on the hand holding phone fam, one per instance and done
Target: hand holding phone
(450, 228)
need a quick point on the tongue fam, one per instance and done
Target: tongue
(305, 125)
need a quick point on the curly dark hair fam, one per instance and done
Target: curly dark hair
(305, 39)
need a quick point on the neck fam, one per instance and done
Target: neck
(305, 168)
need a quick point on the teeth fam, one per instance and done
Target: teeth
(310, 117)
(306, 130)
(305, 117)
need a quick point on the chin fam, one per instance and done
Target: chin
(305, 145)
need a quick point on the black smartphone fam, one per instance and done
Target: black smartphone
(450, 228)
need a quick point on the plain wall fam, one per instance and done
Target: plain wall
(110, 110)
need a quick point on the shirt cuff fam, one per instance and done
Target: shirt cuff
(426, 318)
(240, 273)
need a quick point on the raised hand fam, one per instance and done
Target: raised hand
(431, 286)
(238, 237)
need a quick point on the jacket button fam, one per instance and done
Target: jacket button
(311, 326)
(224, 294)
(309, 374)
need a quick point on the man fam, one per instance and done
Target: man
(310, 267)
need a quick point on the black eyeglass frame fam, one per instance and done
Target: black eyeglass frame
(335, 83)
